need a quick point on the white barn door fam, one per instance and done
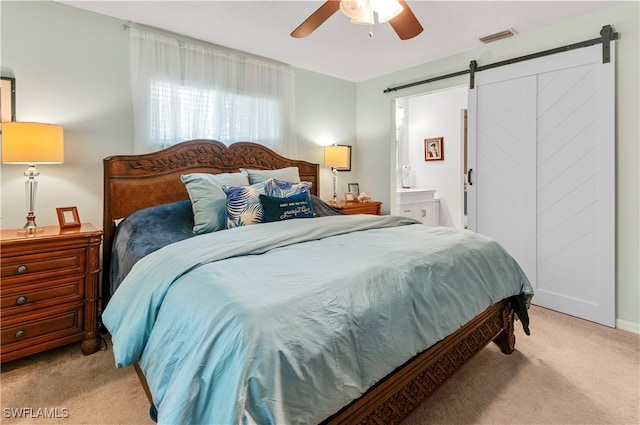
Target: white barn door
(542, 154)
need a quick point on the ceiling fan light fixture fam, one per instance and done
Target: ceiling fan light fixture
(362, 11)
(358, 11)
(396, 12)
(386, 9)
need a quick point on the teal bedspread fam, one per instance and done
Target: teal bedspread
(288, 322)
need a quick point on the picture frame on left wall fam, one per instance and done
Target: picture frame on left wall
(7, 100)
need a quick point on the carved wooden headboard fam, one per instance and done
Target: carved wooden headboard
(133, 182)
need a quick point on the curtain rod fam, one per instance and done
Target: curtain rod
(606, 36)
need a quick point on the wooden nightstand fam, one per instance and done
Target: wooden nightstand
(358, 207)
(49, 290)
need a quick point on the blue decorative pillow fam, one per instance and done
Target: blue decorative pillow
(243, 203)
(282, 189)
(208, 199)
(291, 174)
(296, 206)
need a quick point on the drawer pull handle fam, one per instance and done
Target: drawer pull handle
(21, 300)
(22, 268)
(20, 334)
(407, 211)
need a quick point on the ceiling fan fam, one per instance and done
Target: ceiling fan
(396, 12)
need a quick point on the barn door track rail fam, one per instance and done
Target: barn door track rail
(607, 34)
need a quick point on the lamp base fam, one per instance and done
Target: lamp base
(30, 228)
(334, 171)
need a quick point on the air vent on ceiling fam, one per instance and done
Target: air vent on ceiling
(498, 36)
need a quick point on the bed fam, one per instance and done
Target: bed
(329, 319)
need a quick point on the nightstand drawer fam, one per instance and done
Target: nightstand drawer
(415, 211)
(68, 261)
(20, 298)
(60, 324)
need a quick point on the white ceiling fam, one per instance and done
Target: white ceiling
(338, 48)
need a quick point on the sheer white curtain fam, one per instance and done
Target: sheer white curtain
(185, 90)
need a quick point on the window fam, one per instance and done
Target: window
(181, 113)
(184, 90)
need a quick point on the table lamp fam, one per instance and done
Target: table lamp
(31, 143)
(338, 157)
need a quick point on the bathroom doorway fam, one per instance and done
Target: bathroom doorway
(433, 116)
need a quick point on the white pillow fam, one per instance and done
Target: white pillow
(289, 174)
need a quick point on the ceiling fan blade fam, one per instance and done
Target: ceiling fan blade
(406, 24)
(316, 19)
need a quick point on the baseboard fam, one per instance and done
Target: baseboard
(628, 326)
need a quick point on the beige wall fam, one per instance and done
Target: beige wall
(71, 69)
(326, 113)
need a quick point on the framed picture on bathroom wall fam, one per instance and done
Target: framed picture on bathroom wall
(434, 149)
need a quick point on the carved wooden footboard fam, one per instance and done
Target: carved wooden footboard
(400, 393)
(394, 398)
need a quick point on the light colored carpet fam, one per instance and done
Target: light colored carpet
(569, 371)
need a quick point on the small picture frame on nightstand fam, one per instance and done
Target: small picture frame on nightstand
(355, 189)
(68, 217)
(348, 197)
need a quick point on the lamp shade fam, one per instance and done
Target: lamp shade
(32, 143)
(338, 157)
